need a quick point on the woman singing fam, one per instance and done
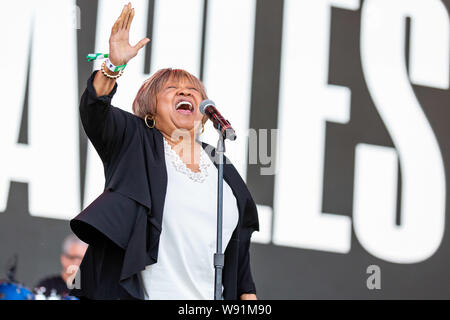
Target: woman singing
(152, 232)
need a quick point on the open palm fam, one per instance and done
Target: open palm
(120, 50)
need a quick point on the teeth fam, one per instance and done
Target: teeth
(183, 103)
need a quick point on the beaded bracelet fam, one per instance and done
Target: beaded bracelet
(110, 76)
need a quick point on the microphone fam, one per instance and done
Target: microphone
(208, 108)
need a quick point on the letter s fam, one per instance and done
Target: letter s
(423, 177)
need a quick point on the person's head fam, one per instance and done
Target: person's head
(73, 250)
(172, 98)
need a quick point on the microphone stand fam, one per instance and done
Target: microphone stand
(219, 257)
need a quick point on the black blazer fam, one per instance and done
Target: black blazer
(123, 225)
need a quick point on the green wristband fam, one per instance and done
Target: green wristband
(113, 68)
(109, 64)
(96, 56)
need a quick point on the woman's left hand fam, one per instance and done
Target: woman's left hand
(248, 296)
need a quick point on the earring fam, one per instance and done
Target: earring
(151, 118)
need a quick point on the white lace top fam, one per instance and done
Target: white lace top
(181, 167)
(185, 268)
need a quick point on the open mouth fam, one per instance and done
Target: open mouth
(184, 107)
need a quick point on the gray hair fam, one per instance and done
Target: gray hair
(69, 241)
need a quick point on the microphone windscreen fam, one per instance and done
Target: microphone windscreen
(205, 104)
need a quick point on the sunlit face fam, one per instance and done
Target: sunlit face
(178, 107)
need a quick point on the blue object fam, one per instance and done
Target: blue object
(13, 291)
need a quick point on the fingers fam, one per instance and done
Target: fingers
(115, 27)
(141, 44)
(130, 20)
(126, 16)
(119, 22)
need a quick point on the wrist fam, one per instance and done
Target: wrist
(114, 68)
(248, 296)
(117, 62)
(110, 74)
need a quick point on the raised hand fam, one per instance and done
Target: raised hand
(120, 50)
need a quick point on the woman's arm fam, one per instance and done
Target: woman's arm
(120, 50)
(246, 287)
(103, 85)
(105, 125)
